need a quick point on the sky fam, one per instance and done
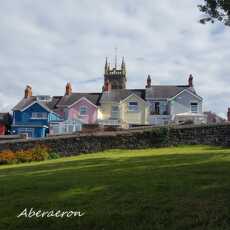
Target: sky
(47, 43)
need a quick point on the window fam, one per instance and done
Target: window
(37, 115)
(115, 112)
(194, 107)
(83, 111)
(133, 106)
(157, 108)
(44, 98)
(28, 131)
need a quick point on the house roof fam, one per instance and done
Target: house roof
(71, 99)
(25, 102)
(166, 91)
(117, 95)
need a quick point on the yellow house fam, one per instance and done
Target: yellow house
(124, 108)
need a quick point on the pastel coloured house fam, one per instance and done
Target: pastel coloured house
(174, 103)
(33, 114)
(123, 107)
(79, 106)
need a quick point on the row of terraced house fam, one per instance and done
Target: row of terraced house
(114, 106)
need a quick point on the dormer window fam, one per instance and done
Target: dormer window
(43, 98)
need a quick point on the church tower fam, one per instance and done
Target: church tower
(116, 77)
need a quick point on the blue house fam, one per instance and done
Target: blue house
(33, 114)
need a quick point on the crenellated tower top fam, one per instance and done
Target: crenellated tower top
(116, 77)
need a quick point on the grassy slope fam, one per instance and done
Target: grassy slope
(167, 188)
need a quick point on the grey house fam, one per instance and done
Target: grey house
(169, 103)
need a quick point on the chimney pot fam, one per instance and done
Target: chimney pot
(68, 89)
(190, 80)
(28, 91)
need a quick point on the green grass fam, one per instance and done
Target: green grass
(167, 188)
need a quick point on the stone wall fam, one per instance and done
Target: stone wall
(132, 139)
(202, 134)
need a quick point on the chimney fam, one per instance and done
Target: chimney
(190, 81)
(28, 91)
(228, 114)
(148, 82)
(68, 89)
(108, 86)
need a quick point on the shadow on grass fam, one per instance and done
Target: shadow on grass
(173, 191)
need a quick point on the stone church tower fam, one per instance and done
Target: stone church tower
(116, 77)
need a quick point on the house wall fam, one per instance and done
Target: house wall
(53, 117)
(74, 112)
(32, 132)
(106, 110)
(23, 122)
(164, 110)
(181, 104)
(24, 118)
(2, 129)
(139, 117)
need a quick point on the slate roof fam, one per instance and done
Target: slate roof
(69, 100)
(117, 95)
(50, 105)
(166, 91)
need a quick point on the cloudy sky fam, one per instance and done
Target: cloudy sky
(47, 43)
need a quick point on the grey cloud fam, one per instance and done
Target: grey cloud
(46, 44)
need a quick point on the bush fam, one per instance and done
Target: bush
(7, 157)
(53, 155)
(24, 156)
(40, 153)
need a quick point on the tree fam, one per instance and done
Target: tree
(216, 10)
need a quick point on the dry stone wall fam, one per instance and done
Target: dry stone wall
(132, 139)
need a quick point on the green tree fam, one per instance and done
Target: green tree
(216, 10)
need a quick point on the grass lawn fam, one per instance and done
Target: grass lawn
(167, 188)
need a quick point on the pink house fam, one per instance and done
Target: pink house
(84, 110)
(79, 106)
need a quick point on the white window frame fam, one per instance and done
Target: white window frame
(191, 106)
(36, 115)
(86, 111)
(133, 108)
(43, 98)
(115, 112)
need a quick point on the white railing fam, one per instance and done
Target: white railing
(110, 122)
(159, 119)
